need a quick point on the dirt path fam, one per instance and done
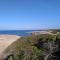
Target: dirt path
(6, 40)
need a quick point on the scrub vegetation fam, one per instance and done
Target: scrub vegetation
(39, 47)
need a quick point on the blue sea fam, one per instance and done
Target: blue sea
(16, 32)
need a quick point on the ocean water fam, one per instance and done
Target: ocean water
(16, 32)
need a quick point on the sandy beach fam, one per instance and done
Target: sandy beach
(6, 40)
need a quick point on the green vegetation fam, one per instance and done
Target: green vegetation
(32, 47)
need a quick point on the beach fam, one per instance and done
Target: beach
(7, 40)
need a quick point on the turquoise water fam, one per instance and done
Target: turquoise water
(17, 32)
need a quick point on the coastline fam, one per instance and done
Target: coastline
(40, 32)
(7, 40)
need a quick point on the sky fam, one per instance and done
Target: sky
(29, 14)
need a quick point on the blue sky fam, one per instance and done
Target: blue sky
(29, 14)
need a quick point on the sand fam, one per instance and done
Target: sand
(7, 40)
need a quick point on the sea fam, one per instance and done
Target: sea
(16, 32)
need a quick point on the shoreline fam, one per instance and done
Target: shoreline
(7, 40)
